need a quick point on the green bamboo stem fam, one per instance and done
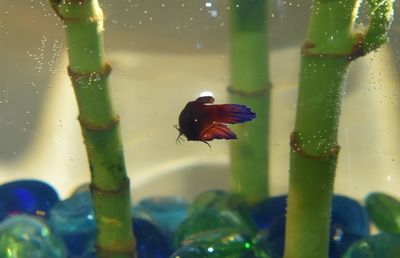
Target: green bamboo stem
(330, 46)
(250, 85)
(89, 73)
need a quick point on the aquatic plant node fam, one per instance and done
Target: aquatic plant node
(330, 46)
(250, 85)
(89, 72)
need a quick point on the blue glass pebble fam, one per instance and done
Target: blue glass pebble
(168, 212)
(73, 219)
(268, 210)
(140, 212)
(349, 223)
(26, 197)
(150, 240)
(28, 236)
(272, 240)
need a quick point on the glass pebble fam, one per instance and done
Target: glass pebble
(26, 197)
(268, 210)
(28, 236)
(140, 212)
(73, 219)
(211, 219)
(150, 240)
(168, 212)
(349, 223)
(218, 243)
(384, 211)
(377, 246)
(221, 200)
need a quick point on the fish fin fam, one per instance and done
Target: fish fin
(217, 131)
(205, 100)
(233, 113)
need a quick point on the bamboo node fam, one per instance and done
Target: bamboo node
(356, 51)
(89, 126)
(259, 92)
(128, 251)
(121, 188)
(101, 74)
(295, 147)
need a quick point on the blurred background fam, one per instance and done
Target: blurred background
(164, 54)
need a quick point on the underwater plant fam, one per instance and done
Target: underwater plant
(89, 71)
(330, 46)
(250, 85)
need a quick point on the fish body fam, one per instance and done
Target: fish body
(201, 120)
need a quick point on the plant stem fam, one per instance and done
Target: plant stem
(89, 73)
(330, 46)
(250, 85)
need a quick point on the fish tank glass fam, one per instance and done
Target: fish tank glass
(205, 128)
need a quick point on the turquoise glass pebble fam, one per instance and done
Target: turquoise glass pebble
(73, 219)
(28, 236)
(168, 212)
(384, 211)
(377, 246)
(26, 197)
(217, 243)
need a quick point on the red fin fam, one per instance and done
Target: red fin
(217, 131)
(234, 113)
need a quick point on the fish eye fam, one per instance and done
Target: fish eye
(195, 120)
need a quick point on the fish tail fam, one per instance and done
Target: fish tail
(234, 113)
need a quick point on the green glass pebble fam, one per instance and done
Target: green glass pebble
(209, 219)
(27, 236)
(384, 211)
(217, 243)
(377, 246)
(222, 200)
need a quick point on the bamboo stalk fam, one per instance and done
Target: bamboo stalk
(330, 46)
(89, 73)
(250, 85)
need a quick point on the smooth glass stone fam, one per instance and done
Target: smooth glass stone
(150, 240)
(349, 223)
(211, 219)
(26, 197)
(139, 212)
(218, 199)
(268, 210)
(384, 211)
(28, 236)
(73, 219)
(218, 243)
(377, 246)
(272, 240)
(168, 212)
(222, 200)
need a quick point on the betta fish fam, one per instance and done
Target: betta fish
(201, 120)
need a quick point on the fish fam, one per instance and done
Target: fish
(203, 121)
